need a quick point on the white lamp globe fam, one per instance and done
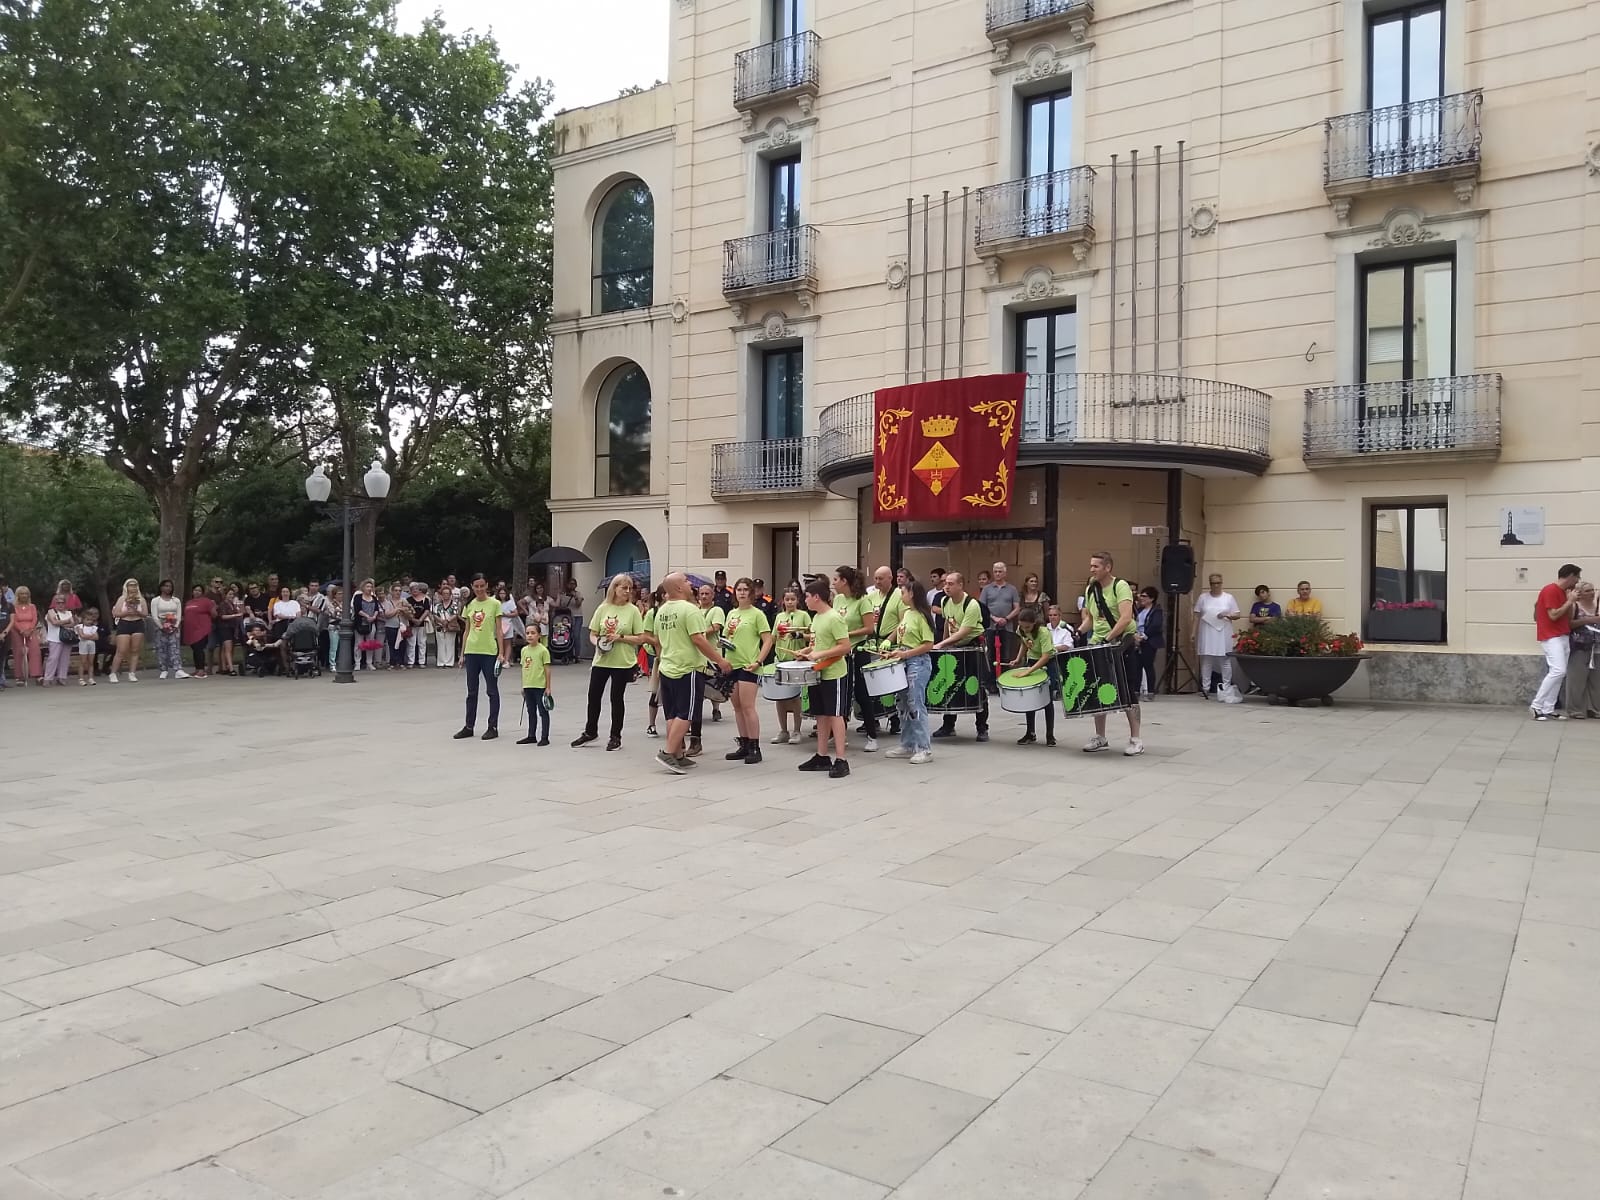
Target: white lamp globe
(376, 480)
(318, 485)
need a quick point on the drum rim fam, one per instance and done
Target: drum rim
(1043, 679)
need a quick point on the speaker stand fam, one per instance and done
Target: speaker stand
(1176, 658)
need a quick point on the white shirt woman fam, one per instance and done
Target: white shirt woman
(1214, 614)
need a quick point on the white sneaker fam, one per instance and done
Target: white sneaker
(872, 745)
(181, 675)
(796, 737)
(897, 752)
(920, 757)
(163, 675)
(1096, 744)
(132, 678)
(781, 740)
(1134, 746)
(113, 677)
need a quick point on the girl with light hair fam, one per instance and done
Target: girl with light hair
(617, 630)
(128, 616)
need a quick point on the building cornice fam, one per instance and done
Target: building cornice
(637, 141)
(589, 322)
(622, 506)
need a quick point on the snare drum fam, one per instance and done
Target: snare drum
(956, 684)
(1025, 691)
(1094, 679)
(886, 677)
(773, 688)
(799, 673)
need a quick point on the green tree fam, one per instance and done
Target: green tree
(172, 175)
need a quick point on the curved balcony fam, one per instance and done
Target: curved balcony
(1160, 421)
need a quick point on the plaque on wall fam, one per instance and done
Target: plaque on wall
(713, 545)
(1522, 526)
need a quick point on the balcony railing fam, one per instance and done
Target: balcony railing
(1442, 137)
(1132, 419)
(766, 262)
(785, 67)
(1057, 206)
(1453, 417)
(764, 468)
(1007, 18)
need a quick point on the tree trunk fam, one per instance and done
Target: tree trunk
(364, 544)
(521, 533)
(173, 504)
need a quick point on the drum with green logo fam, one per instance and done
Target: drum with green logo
(1094, 679)
(956, 684)
(1025, 691)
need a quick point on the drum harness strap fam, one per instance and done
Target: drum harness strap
(1099, 598)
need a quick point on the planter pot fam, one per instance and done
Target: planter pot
(1295, 679)
(1424, 625)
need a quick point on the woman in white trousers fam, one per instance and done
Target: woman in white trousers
(1212, 637)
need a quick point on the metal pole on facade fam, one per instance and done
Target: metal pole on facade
(910, 206)
(944, 294)
(1158, 263)
(1182, 218)
(1133, 300)
(1113, 359)
(924, 287)
(961, 310)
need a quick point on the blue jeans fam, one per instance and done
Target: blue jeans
(912, 705)
(537, 712)
(482, 666)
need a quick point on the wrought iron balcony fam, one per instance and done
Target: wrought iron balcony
(1054, 208)
(766, 468)
(1409, 420)
(1128, 420)
(767, 264)
(1436, 140)
(1006, 20)
(776, 71)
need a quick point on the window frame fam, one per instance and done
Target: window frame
(1404, 15)
(1410, 509)
(1365, 269)
(1049, 413)
(795, 353)
(599, 275)
(604, 456)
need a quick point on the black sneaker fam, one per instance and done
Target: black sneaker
(983, 735)
(583, 739)
(1051, 740)
(544, 741)
(614, 744)
(839, 769)
(1026, 739)
(817, 762)
(942, 732)
(490, 734)
(464, 732)
(716, 714)
(530, 740)
(651, 732)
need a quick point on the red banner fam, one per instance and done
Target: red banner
(946, 451)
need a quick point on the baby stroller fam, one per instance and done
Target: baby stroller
(563, 636)
(301, 640)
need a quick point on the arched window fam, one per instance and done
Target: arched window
(622, 434)
(625, 249)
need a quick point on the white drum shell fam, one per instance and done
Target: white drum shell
(1016, 699)
(773, 688)
(886, 680)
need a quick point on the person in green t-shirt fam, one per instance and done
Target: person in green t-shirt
(830, 696)
(860, 614)
(716, 617)
(889, 605)
(1108, 618)
(790, 632)
(911, 641)
(616, 629)
(483, 654)
(963, 626)
(750, 636)
(536, 687)
(685, 648)
(1037, 653)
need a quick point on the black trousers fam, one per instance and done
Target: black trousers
(619, 678)
(481, 667)
(869, 706)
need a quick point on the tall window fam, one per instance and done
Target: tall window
(788, 17)
(1405, 70)
(783, 193)
(625, 253)
(1047, 153)
(1408, 336)
(622, 434)
(782, 393)
(1407, 547)
(1047, 349)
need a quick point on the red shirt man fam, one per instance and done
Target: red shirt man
(1552, 622)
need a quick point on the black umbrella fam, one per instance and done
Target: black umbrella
(558, 555)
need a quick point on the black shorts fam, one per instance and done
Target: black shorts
(830, 697)
(742, 676)
(679, 696)
(127, 628)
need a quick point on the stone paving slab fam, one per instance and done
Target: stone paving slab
(335, 955)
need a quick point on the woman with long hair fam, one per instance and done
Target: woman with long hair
(166, 610)
(128, 616)
(617, 630)
(1034, 596)
(231, 613)
(911, 642)
(747, 629)
(860, 615)
(789, 634)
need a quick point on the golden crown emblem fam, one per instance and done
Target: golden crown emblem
(939, 427)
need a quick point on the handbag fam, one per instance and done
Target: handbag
(68, 635)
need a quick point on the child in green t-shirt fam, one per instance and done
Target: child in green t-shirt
(1037, 653)
(536, 689)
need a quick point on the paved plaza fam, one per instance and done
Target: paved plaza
(264, 940)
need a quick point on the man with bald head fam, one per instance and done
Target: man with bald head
(685, 648)
(962, 626)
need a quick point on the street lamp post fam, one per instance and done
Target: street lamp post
(318, 489)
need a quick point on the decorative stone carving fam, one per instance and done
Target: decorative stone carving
(1002, 50)
(1043, 63)
(1403, 227)
(1037, 284)
(679, 310)
(807, 102)
(1079, 27)
(805, 297)
(737, 307)
(1341, 209)
(991, 267)
(1203, 219)
(895, 277)
(748, 119)
(686, 4)
(773, 327)
(1080, 251)
(1594, 159)
(779, 135)
(1463, 189)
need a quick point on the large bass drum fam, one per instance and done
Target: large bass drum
(1094, 679)
(956, 684)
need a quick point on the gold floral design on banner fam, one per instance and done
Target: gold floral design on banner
(1002, 415)
(889, 497)
(992, 493)
(889, 425)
